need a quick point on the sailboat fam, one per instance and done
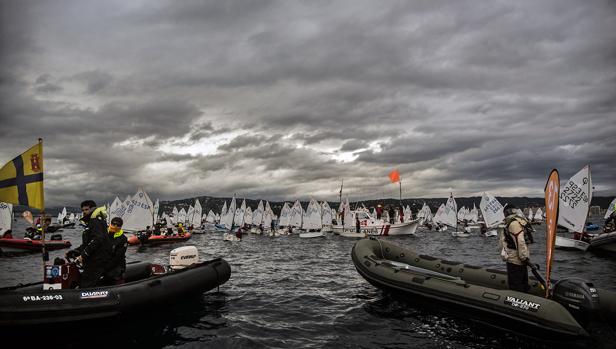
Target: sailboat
(311, 222)
(237, 220)
(283, 221)
(493, 214)
(326, 217)
(450, 218)
(574, 203)
(297, 214)
(538, 217)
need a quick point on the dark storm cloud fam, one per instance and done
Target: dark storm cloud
(280, 99)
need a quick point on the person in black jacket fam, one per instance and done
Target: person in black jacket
(114, 273)
(95, 250)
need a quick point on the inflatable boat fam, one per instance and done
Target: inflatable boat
(28, 245)
(143, 239)
(146, 285)
(483, 294)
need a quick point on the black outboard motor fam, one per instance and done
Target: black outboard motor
(56, 237)
(143, 236)
(579, 296)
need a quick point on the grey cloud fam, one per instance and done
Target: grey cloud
(472, 96)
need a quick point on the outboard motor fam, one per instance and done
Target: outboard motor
(183, 257)
(56, 237)
(578, 296)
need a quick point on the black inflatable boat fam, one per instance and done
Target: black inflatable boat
(147, 285)
(482, 294)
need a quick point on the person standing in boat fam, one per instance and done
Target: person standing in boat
(114, 273)
(95, 250)
(514, 250)
(357, 224)
(379, 211)
(392, 214)
(610, 223)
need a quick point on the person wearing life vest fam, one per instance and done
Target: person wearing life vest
(114, 273)
(95, 249)
(514, 250)
(181, 230)
(610, 223)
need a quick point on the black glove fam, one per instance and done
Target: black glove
(72, 254)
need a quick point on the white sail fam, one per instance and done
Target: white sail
(6, 217)
(211, 217)
(538, 215)
(285, 215)
(312, 216)
(267, 216)
(473, 214)
(189, 214)
(449, 216)
(223, 212)
(257, 215)
(227, 218)
(326, 219)
(195, 221)
(439, 214)
(181, 216)
(462, 213)
(62, 213)
(492, 210)
(238, 219)
(349, 223)
(175, 214)
(407, 213)
(611, 208)
(138, 214)
(296, 215)
(156, 209)
(248, 216)
(574, 201)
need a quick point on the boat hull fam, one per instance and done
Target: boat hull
(159, 239)
(407, 228)
(31, 305)
(27, 245)
(312, 234)
(563, 243)
(471, 289)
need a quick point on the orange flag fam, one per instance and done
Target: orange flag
(394, 176)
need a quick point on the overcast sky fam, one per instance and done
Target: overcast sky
(283, 99)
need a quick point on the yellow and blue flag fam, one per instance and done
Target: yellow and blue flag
(21, 180)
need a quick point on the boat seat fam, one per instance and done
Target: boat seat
(137, 271)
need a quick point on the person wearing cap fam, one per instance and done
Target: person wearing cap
(114, 273)
(95, 249)
(514, 250)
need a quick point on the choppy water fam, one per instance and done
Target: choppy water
(305, 293)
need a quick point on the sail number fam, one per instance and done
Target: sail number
(572, 194)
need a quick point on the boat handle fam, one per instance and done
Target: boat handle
(154, 283)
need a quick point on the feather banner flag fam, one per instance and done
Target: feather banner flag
(21, 179)
(394, 176)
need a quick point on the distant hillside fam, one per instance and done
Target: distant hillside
(215, 204)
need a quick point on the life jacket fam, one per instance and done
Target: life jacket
(527, 229)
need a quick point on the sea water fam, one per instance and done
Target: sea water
(287, 292)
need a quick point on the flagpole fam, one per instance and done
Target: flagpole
(43, 249)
